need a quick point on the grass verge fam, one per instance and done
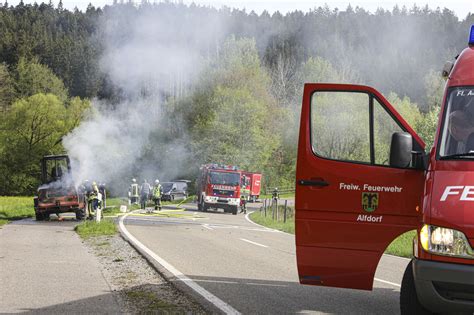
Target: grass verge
(89, 229)
(401, 246)
(260, 218)
(15, 208)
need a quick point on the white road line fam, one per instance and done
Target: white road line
(215, 281)
(388, 282)
(207, 227)
(223, 306)
(267, 284)
(261, 245)
(266, 228)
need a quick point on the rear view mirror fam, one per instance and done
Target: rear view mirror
(401, 149)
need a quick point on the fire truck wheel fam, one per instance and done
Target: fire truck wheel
(80, 214)
(235, 210)
(39, 216)
(409, 303)
(203, 206)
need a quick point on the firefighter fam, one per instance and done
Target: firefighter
(243, 204)
(275, 194)
(93, 200)
(145, 190)
(157, 195)
(133, 192)
(461, 129)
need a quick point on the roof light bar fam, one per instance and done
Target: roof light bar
(471, 36)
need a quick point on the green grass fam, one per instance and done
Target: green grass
(288, 226)
(150, 302)
(282, 196)
(401, 246)
(89, 229)
(15, 208)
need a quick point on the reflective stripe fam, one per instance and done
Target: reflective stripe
(135, 190)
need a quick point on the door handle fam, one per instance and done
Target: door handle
(306, 182)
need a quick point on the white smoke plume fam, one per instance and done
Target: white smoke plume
(151, 55)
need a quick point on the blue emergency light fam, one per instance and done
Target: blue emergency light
(471, 36)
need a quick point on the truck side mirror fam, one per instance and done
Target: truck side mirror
(401, 149)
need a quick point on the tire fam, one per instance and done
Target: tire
(80, 214)
(199, 205)
(235, 210)
(409, 303)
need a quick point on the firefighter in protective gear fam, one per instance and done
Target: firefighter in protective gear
(145, 191)
(275, 194)
(94, 200)
(157, 195)
(133, 193)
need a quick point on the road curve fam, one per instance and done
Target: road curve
(252, 269)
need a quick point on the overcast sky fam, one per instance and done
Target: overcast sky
(460, 7)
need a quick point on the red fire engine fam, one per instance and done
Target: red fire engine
(250, 185)
(363, 178)
(218, 186)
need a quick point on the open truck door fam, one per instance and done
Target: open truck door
(352, 197)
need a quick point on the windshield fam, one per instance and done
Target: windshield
(167, 186)
(457, 139)
(224, 178)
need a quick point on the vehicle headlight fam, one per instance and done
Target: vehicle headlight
(444, 241)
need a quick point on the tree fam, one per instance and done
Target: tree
(232, 116)
(33, 77)
(32, 128)
(6, 88)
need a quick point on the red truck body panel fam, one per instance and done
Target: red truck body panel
(255, 182)
(337, 242)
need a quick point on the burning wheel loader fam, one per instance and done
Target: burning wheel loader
(57, 193)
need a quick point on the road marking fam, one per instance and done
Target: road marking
(215, 281)
(267, 284)
(266, 228)
(261, 245)
(388, 282)
(223, 306)
(207, 227)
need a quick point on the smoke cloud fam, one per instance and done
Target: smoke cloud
(150, 56)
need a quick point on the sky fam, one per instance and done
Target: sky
(460, 7)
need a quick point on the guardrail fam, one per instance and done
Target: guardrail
(281, 190)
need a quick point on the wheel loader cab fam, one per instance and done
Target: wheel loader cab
(54, 167)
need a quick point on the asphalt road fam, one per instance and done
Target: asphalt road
(253, 269)
(45, 269)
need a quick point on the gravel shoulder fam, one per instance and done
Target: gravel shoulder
(139, 287)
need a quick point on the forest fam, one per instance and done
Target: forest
(156, 89)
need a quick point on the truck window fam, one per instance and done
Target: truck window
(384, 127)
(224, 178)
(340, 127)
(457, 139)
